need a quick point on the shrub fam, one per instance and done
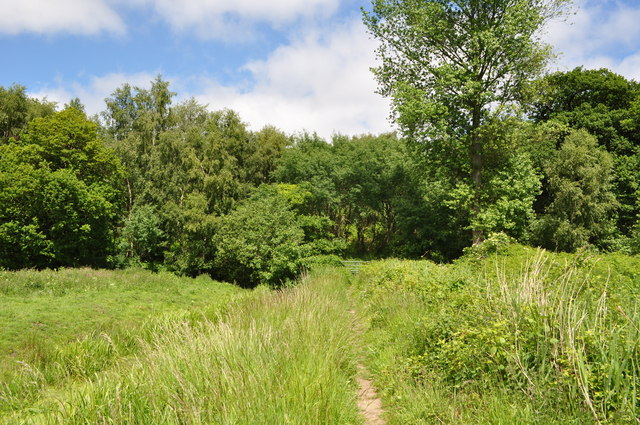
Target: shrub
(259, 242)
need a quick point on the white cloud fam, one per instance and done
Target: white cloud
(600, 34)
(317, 83)
(233, 19)
(226, 19)
(53, 16)
(630, 66)
(320, 82)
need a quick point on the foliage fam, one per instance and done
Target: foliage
(362, 184)
(190, 165)
(141, 238)
(471, 160)
(453, 69)
(259, 242)
(59, 195)
(17, 110)
(265, 240)
(606, 105)
(582, 208)
(508, 198)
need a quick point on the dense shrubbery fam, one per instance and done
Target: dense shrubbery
(544, 338)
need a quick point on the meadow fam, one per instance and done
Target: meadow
(58, 327)
(506, 334)
(176, 351)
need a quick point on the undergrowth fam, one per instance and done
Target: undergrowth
(521, 336)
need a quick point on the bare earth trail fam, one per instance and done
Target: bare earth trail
(369, 404)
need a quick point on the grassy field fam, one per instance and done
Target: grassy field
(274, 357)
(57, 327)
(523, 337)
(505, 335)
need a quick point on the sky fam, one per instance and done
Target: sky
(301, 65)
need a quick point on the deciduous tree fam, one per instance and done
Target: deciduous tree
(450, 68)
(582, 210)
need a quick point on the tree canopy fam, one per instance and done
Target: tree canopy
(454, 68)
(59, 194)
(176, 186)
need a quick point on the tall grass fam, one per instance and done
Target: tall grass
(59, 327)
(527, 337)
(282, 357)
(585, 348)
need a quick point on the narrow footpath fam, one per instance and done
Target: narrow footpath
(369, 404)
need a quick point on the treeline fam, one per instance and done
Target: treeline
(169, 185)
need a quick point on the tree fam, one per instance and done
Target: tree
(17, 110)
(134, 120)
(450, 68)
(13, 110)
(355, 182)
(68, 140)
(607, 105)
(59, 195)
(267, 239)
(259, 242)
(582, 207)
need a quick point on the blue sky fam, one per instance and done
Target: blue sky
(296, 64)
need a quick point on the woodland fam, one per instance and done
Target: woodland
(488, 145)
(173, 186)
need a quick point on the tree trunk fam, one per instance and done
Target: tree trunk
(476, 175)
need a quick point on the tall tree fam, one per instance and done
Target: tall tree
(453, 66)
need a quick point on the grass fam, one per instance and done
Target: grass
(518, 336)
(277, 357)
(60, 326)
(524, 337)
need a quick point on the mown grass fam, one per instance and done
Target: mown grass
(521, 337)
(277, 357)
(62, 326)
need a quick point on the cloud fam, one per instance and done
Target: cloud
(319, 82)
(85, 17)
(222, 19)
(233, 19)
(630, 66)
(600, 34)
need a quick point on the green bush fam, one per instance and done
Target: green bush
(259, 242)
(265, 241)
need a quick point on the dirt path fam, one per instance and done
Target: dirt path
(369, 404)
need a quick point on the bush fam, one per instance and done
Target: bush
(259, 242)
